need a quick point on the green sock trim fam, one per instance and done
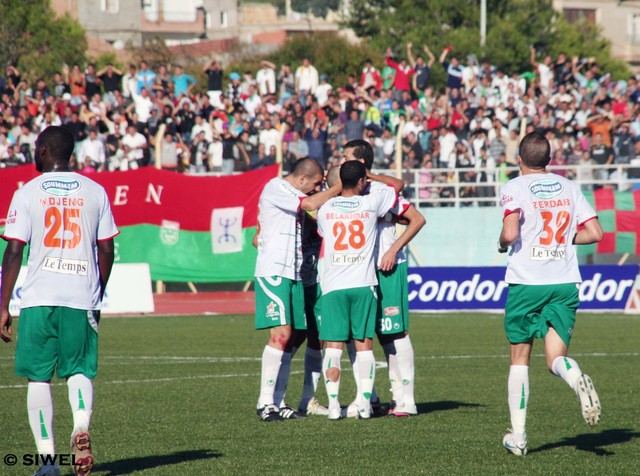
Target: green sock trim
(80, 401)
(43, 428)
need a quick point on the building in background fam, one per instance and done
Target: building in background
(619, 20)
(119, 22)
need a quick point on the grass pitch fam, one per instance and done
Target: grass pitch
(177, 395)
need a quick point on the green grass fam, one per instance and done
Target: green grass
(177, 395)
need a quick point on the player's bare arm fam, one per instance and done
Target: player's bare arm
(315, 201)
(591, 233)
(105, 262)
(11, 262)
(415, 223)
(510, 230)
(396, 183)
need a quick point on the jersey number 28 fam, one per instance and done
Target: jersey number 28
(349, 235)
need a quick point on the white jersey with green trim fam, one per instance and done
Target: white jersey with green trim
(550, 208)
(62, 216)
(279, 230)
(348, 226)
(386, 227)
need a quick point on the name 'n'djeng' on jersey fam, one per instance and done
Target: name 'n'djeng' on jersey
(349, 228)
(61, 216)
(551, 207)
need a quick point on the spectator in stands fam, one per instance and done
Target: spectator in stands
(298, 147)
(182, 83)
(92, 155)
(214, 73)
(77, 82)
(420, 79)
(453, 69)
(306, 80)
(287, 82)
(144, 78)
(403, 73)
(315, 138)
(135, 145)
(170, 153)
(601, 154)
(266, 78)
(354, 127)
(370, 77)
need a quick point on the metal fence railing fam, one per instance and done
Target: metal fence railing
(463, 187)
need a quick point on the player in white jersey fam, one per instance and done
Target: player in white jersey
(66, 220)
(348, 225)
(278, 285)
(545, 216)
(393, 313)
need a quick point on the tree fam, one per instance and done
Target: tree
(329, 53)
(512, 27)
(36, 41)
(317, 7)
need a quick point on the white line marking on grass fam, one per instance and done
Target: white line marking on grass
(164, 359)
(152, 380)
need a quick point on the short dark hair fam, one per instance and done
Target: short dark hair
(308, 167)
(58, 141)
(361, 150)
(351, 173)
(535, 150)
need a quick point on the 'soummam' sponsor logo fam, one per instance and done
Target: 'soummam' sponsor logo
(346, 205)
(546, 188)
(60, 186)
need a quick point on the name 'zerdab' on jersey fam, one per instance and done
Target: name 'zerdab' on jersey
(562, 202)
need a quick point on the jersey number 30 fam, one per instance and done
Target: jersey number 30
(62, 230)
(349, 235)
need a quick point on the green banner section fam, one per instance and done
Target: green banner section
(181, 256)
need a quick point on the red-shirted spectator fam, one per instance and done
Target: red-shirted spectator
(370, 77)
(403, 74)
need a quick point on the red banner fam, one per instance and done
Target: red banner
(149, 195)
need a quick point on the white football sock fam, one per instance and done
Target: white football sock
(271, 360)
(280, 392)
(81, 400)
(404, 354)
(332, 360)
(394, 372)
(568, 370)
(40, 408)
(312, 371)
(518, 388)
(367, 370)
(351, 347)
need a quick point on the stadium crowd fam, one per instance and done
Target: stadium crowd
(141, 116)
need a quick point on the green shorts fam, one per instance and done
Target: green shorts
(531, 310)
(393, 291)
(312, 295)
(56, 338)
(279, 302)
(349, 313)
